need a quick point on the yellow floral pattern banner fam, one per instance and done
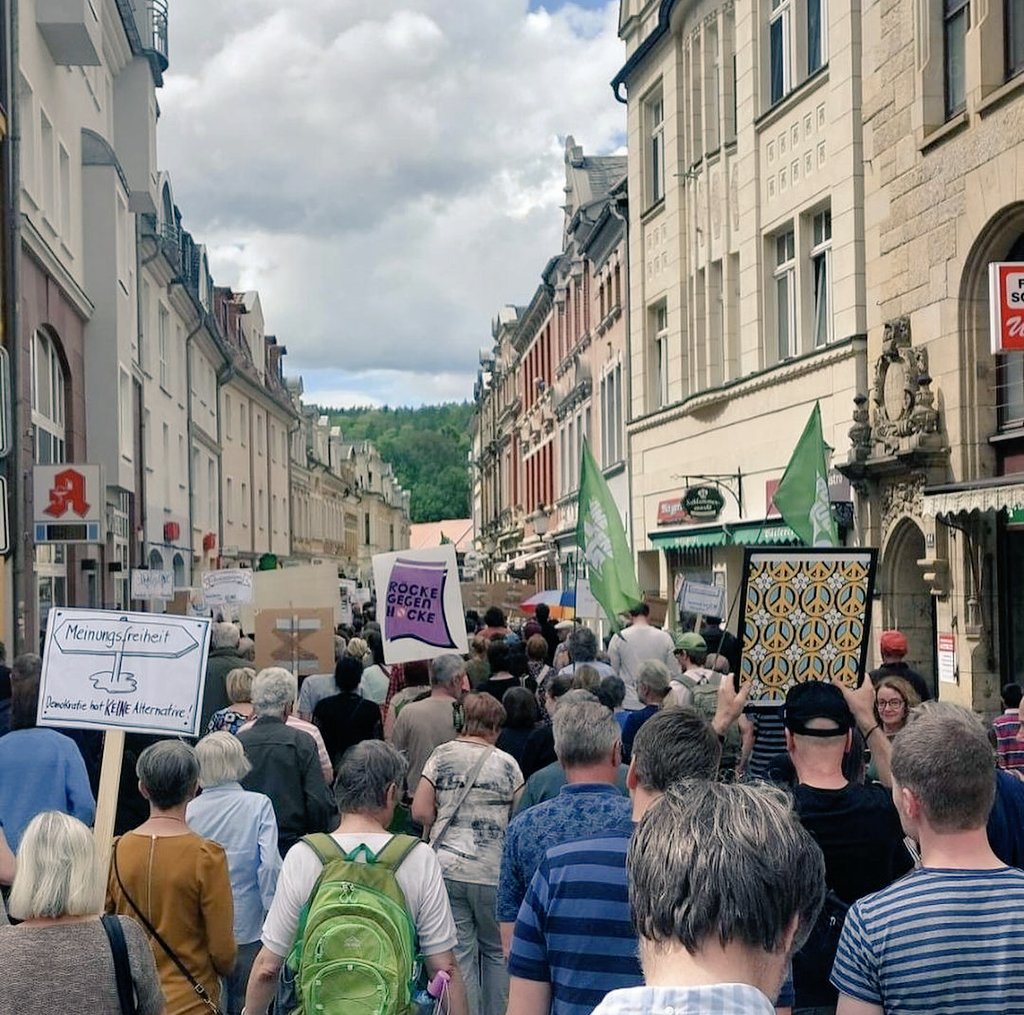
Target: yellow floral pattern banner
(805, 616)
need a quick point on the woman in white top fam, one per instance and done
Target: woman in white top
(467, 829)
(376, 676)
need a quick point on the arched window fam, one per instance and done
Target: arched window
(1010, 369)
(178, 564)
(48, 401)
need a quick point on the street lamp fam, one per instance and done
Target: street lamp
(540, 521)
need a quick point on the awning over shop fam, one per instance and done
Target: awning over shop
(971, 498)
(771, 533)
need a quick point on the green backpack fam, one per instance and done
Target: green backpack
(705, 702)
(355, 952)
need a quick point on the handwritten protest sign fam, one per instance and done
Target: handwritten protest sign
(705, 600)
(419, 603)
(152, 584)
(123, 671)
(227, 587)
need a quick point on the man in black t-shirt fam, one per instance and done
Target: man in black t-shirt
(346, 718)
(856, 826)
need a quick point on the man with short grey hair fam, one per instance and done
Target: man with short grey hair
(724, 883)
(285, 763)
(582, 646)
(947, 937)
(423, 725)
(223, 657)
(589, 748)
(369, 785)
(318, 686)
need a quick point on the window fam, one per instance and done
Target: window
(229, 500)
(779, 44)
(48, 401)
(659, 381)
(821, 276)
(211, 500)
(785, 295)
(162, 339)
(1010, 370)
(1013, 24)
(817, 34)
(64, 173)
(228, 418)
(243, 425)
(366, 528)
(654, 113)
(611, 416)
(125, 252)
(182, 463)
(47, 155)
(27, 149)
(124, 408)
(259, 509)
(956, 19)
(143, 329)
(244, 507)
(147, 439)
(165, 464)
(712, 91)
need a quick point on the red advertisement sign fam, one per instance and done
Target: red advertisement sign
(1006, 306)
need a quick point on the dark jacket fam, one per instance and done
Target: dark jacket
(286, 767)
(219, 663)
(912, 677)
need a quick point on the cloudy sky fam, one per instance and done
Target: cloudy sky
(386, 172)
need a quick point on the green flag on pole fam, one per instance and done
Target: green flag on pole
(601, 539)
(802, 496)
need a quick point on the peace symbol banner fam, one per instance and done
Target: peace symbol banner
(805, 616)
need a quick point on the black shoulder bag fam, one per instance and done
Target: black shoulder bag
(200, 990)
(122, 965)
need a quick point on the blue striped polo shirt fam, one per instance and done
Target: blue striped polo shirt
(574, 930)
(939, 941)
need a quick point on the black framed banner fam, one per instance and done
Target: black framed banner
(805, 615)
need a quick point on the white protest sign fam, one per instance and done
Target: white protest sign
(347, 592)
(103, 669)
(705, 600)
(419, 604)
(227, 586)
(152, 584)
(587, 607)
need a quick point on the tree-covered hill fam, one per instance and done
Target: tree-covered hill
(428, 448)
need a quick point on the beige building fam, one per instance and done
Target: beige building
(938, 450)
(383, 506)
(746, 282)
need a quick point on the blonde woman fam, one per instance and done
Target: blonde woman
(60, 957)
(239, 687)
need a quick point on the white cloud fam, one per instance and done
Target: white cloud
(386, 174)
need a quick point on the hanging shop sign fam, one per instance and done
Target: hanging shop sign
(1006, 306)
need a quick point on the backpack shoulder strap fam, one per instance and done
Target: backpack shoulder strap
(686, 680)
(324, 846)
(394, 852)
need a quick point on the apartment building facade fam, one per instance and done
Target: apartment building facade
(937, 450)
(746, 267)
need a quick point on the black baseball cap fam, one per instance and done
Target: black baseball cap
(816, 700)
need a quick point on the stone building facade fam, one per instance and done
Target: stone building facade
(938, 444)
(747, 288)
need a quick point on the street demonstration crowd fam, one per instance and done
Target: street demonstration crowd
(546, 826)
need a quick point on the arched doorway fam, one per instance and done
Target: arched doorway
(179, 571)
(156, 560)
(906, 599)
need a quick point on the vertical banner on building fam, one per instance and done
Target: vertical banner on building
(419, 604)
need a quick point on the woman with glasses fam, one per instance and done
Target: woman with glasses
(894, 698)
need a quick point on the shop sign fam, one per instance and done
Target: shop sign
(703, 503)
(68, 504)
(839, 491)
(947, 658)
(1006, 306)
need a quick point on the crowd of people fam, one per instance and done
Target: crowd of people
(548, 826)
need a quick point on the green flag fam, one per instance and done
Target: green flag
(802, 496)
(601, 539)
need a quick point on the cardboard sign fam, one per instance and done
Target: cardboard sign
(305, 587)
(805, 616)
(152, 584)
(1006, 306)
(704, 600)
(301, 641)
(108, 670)
(419, 604)
(347, 595)
(227, 586)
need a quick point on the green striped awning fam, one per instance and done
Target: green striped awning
(772, 533)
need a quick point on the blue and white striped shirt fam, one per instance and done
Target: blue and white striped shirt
(714, 999)
(941, 942)
(574, 929)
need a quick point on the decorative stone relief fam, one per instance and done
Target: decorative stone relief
(904, 497)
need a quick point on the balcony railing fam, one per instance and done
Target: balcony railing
(157, 46)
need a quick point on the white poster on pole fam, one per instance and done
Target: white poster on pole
(419, 604)
(152, 584)
(347, 593)
(228, 586)
(139, 672)
(705, 600)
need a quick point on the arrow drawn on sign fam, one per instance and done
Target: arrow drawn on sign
(121, 638)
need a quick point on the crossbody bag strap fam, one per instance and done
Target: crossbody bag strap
(200, 990)
(122, 964)
(474, 774)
